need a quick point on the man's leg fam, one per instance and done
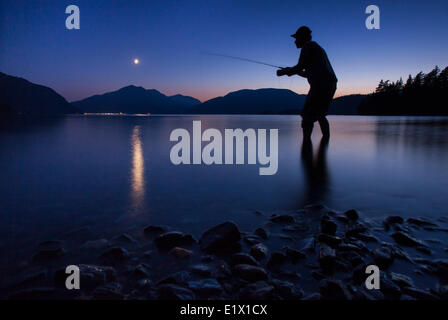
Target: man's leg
(307, 126)
(324, 127)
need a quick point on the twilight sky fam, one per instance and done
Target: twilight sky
(168, 38)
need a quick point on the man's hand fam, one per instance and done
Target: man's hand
(283, 71)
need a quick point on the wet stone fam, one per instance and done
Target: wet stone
(95, 244)
(285, 218)
(259, 251)
(327, 255)
(332, 241)
(383, 257)
(201, 270)
(276, 258)
(286, 289)
(180, 278)
(352, 214)
(261, 233)
(294, 254)
(249, 272)
(419, 294)
(115, 254)
(406, 240)
(110, 291)
(124, 238)
(334, 290)
(180, 253)
(259, 290)
(220, 237)
(206, 287)
(401, 280)
(251, 239)
(174, 292)
(327, 226)
(420, 222)
(243, 258)
(141, 271)
(169, 240)
(154, 230)
(48, 254)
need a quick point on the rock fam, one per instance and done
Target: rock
(251, 239)
(180, 253)
(352, 214)
(91, 276)
(285, 218)
(154, 230)
(365, 237)
(419, 294)
(48, 254)
(391, 220)
(124, 238)
(115, 254)
(334, 290)
(169, 240)
(250, 273)
(261, 233)
(332, 241)
(286, 289)
(220, 237)
(174, 292)
(327, 226)
(276, 258)
(141, 271)
(179, 278)
(243, 258)
(144, 284)
(420, 222)
(317, 275)
(95, 244)
(110, 291)
(383, 257)
(294, 254)
(401, 280)
(259, 290)
(309, 245)
(351, 256)
(312, 297)
(206, 287)
(201, 270)
(355, 229)
(285, 237)
(389, 288)
(28, 279)
(327, 255)
(424, 250)
(259, 251)
(406, 240)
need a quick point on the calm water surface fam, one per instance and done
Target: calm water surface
(110, 172)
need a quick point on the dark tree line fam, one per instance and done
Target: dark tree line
(424, 94)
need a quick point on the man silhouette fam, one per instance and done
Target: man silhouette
(315, 66)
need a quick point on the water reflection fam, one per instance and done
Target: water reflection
(315, 171)
(137, 172)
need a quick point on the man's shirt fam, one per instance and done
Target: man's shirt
(314, 60)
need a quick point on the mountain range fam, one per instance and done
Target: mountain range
(19, 96)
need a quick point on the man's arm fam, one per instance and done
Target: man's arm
(299, 68)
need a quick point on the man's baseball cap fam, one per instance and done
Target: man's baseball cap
(302, 31)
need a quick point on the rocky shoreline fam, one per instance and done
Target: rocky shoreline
(310, 254)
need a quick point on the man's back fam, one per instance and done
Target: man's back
(316, 63)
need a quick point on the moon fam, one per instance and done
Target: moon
(136, 61)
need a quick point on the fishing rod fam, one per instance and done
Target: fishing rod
(242, 59)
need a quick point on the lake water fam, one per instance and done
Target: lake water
(114, 172)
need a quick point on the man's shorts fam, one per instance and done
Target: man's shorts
(318, 102)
